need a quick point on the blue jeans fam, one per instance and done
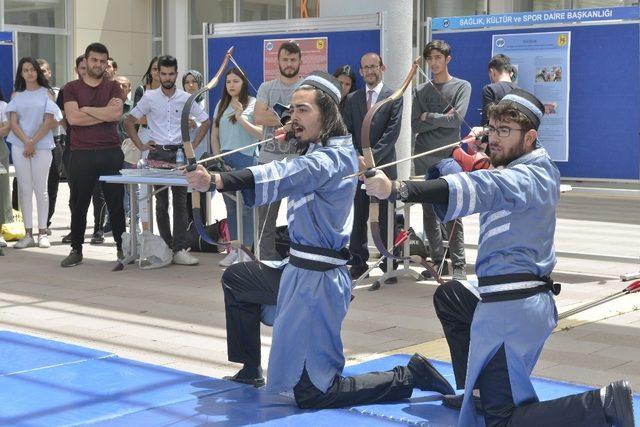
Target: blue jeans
(240, 161)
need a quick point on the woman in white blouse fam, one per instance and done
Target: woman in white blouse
(32, 114)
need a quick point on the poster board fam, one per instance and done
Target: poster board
(604, 113)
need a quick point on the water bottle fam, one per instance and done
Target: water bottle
(180, 161)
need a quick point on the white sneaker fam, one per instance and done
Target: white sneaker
(25, 242)
(183, 257)
(231, 258)
(3, 243)
(43, 241)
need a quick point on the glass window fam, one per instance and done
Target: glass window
(212, 11)
(307, 9)
(262, 10)
(51, 47)
(50, 13)
(156, 18)
(196, 55)
(437, 8)
(584, 4)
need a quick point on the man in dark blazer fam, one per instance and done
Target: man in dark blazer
(385, 129)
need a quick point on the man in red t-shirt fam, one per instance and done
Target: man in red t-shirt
(93, 108)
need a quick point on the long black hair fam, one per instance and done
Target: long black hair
(331, 120)
(147, 79)
(346, 70)
(243, 97)
(20, 84)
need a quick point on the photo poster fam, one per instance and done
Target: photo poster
(314, 55)
(542, 67)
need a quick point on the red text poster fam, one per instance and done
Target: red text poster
(314, 56)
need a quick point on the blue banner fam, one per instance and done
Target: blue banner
(541, 62)
(565, 16)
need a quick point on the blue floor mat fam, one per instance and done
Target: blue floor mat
(48, 383)
(19, 353)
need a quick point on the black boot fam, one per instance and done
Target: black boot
(248, 375)
(454, 401)
(426, 377)
(618, 404)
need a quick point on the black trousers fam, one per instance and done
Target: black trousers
(455, 306)
(54, 179)
(85, 168)
(358, 245)
(97, 197)
(178, 240)
(247, 287)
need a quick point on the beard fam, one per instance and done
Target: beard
(168, 84)
(291, 73)
(504, 158)
(91, 73)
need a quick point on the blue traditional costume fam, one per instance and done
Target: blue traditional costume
(497, 326)
(314, 287)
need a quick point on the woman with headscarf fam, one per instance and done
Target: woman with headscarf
(192, 81)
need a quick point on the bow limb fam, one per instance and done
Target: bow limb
(191, 158)
(367, 152)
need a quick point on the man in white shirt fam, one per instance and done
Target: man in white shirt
(163, 109)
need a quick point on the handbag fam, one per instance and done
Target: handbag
(14, 230)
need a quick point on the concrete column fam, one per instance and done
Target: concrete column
(396, 53)
(176, 30)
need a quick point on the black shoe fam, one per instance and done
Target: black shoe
(426, 377)
(454, 401)
(618, 404)
(238, 378)
(97, 238)
(445, 271)
(74, 258)
(358, 270)
(67, 238)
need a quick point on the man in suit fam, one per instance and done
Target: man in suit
(385, 129)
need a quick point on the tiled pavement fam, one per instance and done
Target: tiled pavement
(175, 317)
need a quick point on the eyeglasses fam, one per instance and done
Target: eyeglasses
(502, 131)
(370, 67)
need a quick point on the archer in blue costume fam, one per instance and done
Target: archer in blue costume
(496, 327)
(307, 298)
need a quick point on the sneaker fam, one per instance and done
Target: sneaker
(67, 238)
(255, 379)
(97, 238)
(43, 241)
(459, 273)
(74, 258)
(183, 257)
(25, 242)
(3, 243)
(231, 258)
(618, 404)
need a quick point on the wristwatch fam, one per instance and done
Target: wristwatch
(403, 191)
(399, 190)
